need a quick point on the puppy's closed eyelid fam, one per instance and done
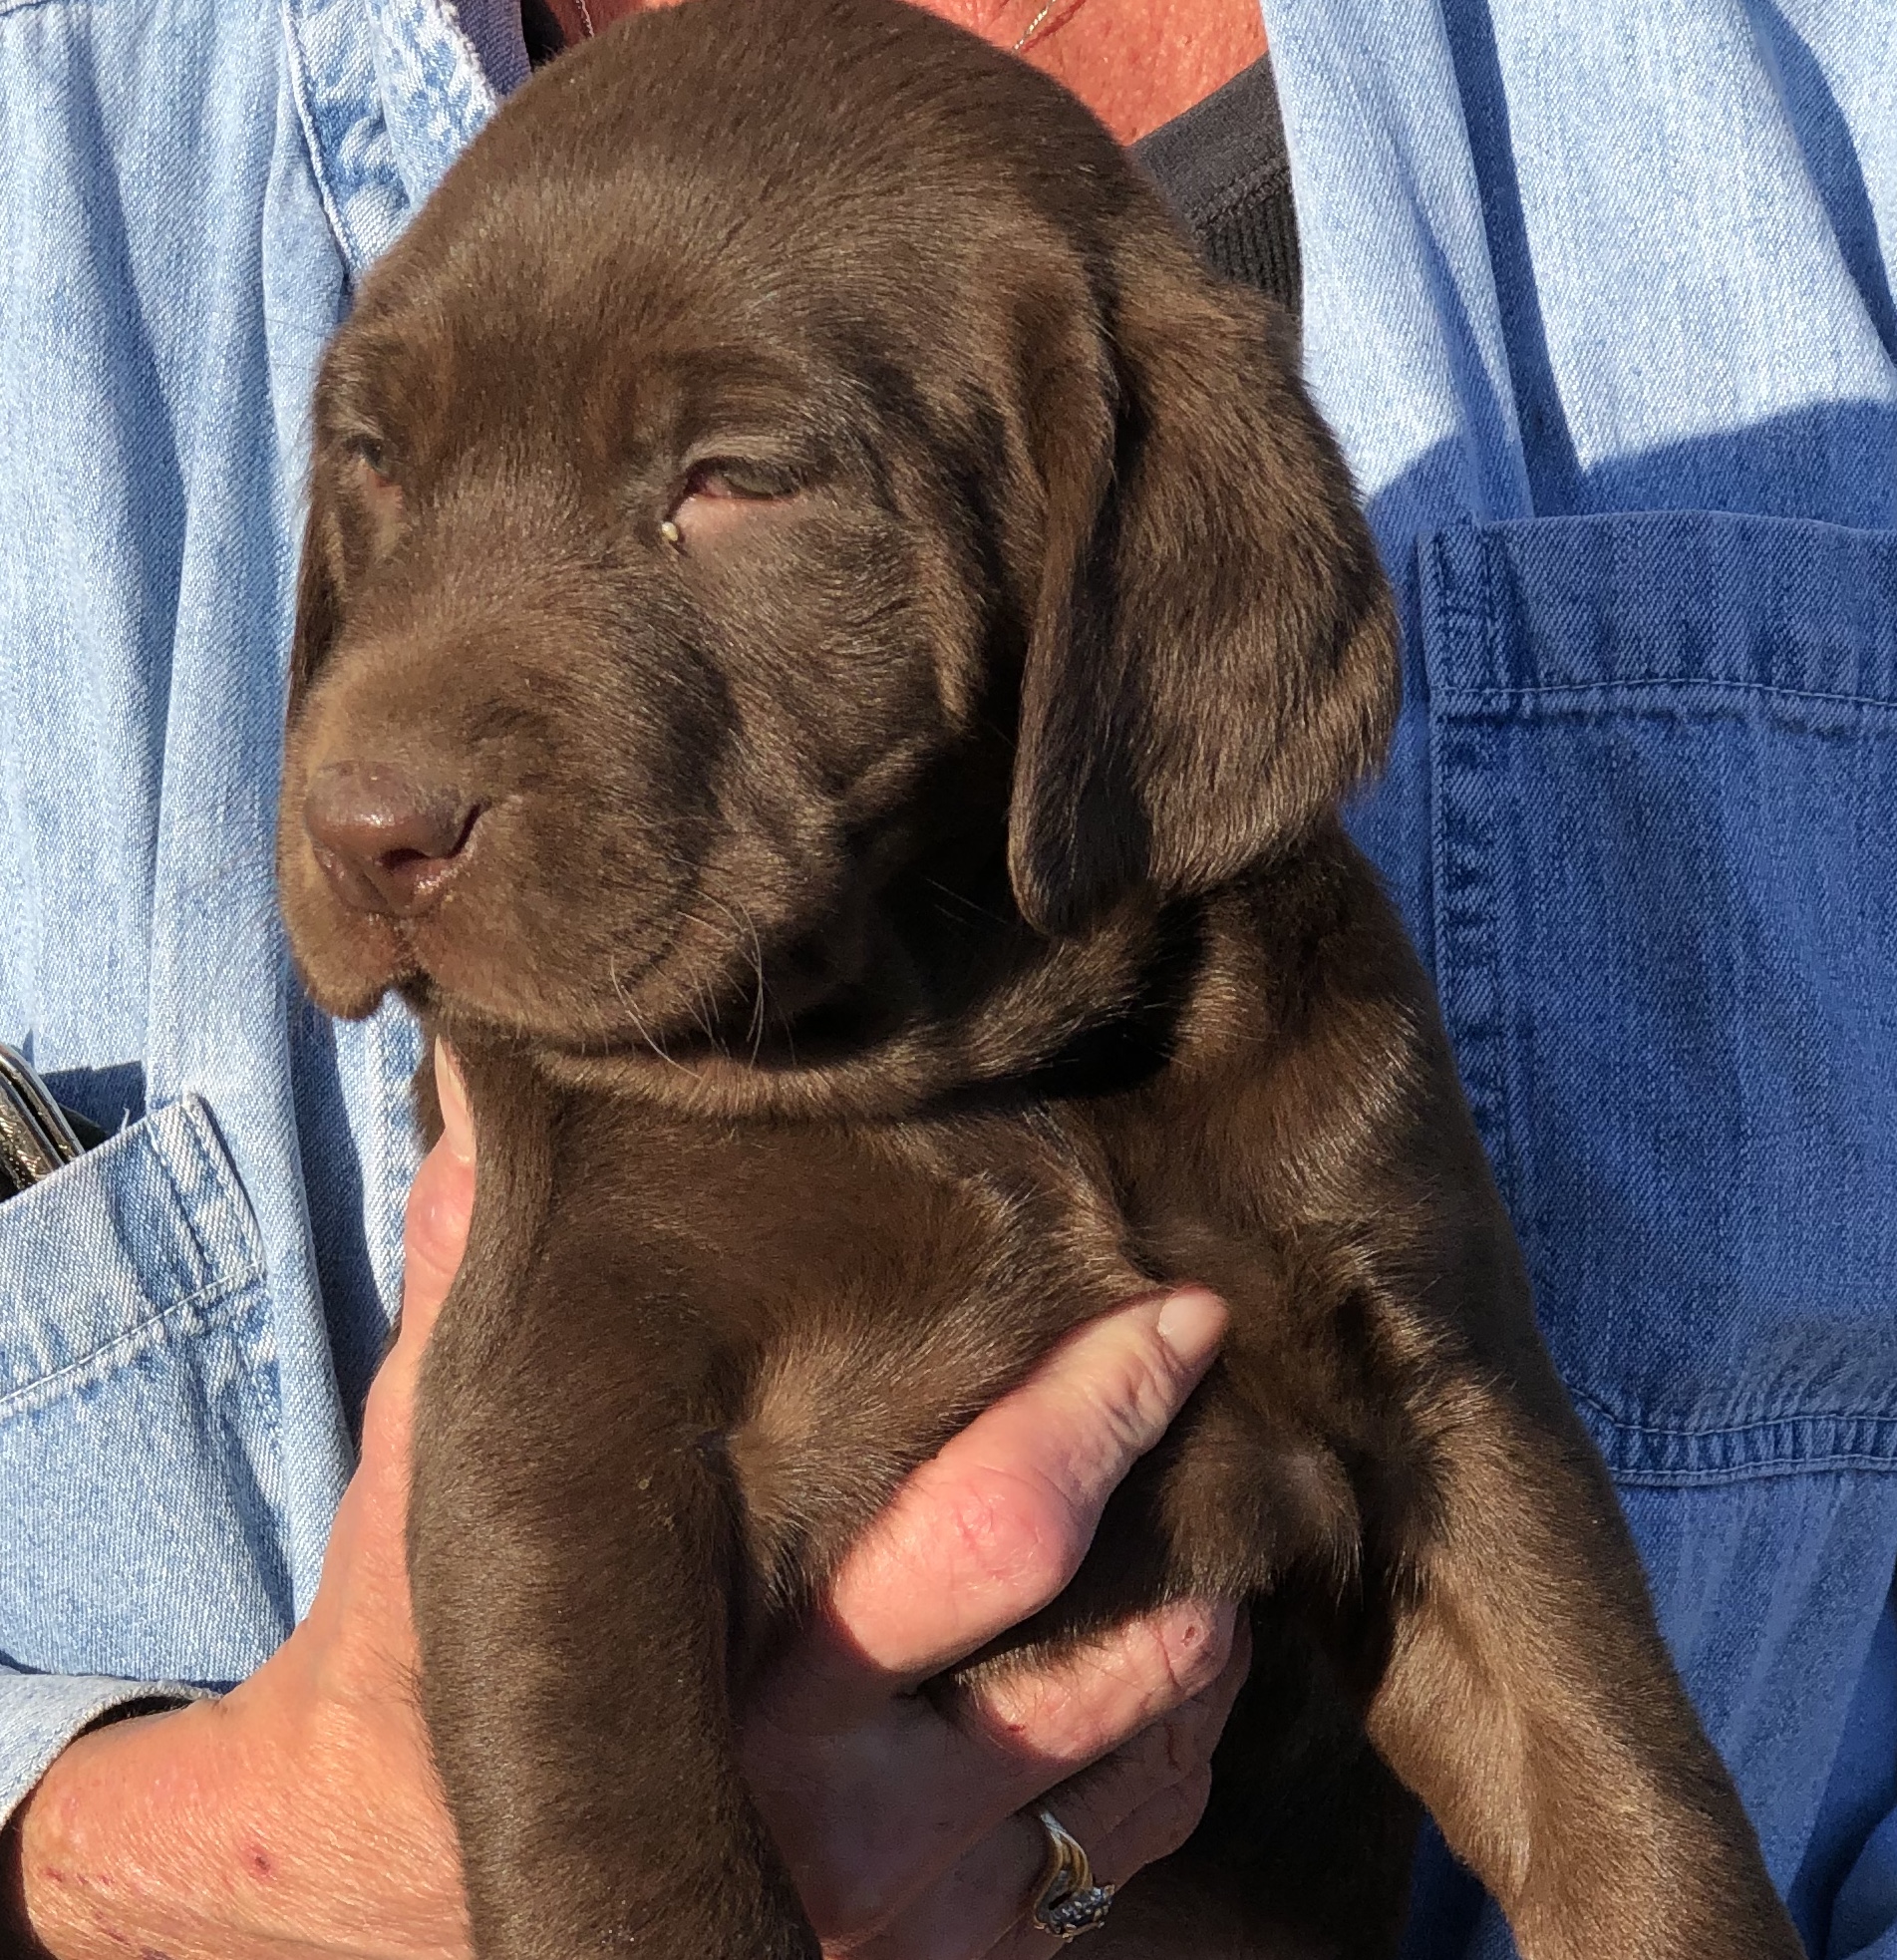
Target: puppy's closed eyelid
(371, 452)
(377, 491)
(710, 508)
(739, 478)
(712, 479)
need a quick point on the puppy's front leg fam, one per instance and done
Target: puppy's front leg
(1532, 1704)
(568, 1565)
(571, 1549)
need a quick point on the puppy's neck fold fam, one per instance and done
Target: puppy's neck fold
(955, 1002)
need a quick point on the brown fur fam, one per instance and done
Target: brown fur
(904, 919)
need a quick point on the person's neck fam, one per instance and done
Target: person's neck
(1135, 63)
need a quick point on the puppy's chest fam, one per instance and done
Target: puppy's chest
(980, 1233)
(846, 1297)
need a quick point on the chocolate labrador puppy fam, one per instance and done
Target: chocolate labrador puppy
(828, 653)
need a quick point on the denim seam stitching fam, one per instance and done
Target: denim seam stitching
(1465, 955)
(1633, 1428)
(312, 146)
(1428, 579)
(139, 1336)
(1735, 1453)
(1683, 684)
(1638, 1479)
(1473, 879)
(1230, 197)
(194, 1133)
(1508, 1162)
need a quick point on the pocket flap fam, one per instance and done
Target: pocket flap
(140, 1471)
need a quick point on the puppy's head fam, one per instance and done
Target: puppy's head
(792, 448)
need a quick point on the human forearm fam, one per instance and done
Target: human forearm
(235, 1831)
(87, 1871)
(41, 1714)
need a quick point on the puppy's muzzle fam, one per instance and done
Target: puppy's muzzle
(386, 845)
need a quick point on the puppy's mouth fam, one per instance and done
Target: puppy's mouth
(428, 906)
(390, 885)
(350, 959)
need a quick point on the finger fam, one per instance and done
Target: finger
(1136, 1804)
(1035, 1725)
(1157, 1828)
(983, 1905)
(434, 1237)
(992, 1528)
(1175, 1747)
(954, 1798)
(359, 1622)
(1160, 1827)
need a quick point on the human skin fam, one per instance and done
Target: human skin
(1135, 62)
(300, 1816)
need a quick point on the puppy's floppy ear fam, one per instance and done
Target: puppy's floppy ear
(1211, 663)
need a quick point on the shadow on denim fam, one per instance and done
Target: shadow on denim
(110, 1097)
(1831, 156)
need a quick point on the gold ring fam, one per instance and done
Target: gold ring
(1067, 1902)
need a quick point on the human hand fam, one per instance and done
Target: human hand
(900, 1814)
(300, 1815)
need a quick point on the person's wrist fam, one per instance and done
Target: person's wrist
(17, 1937)
(80, 1868)
(145, 1833)
(134, 1841)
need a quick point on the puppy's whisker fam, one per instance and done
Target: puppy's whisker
(757, 1004)
(704, 1012)
(740, 915)
(986, 913)
(704, 999)
(638, 1022)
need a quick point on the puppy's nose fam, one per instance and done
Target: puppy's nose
(387, 843)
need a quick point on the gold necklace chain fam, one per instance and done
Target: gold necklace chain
(1033, 27)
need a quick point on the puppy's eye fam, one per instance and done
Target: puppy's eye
(373, 453)
(376, 487)
(715, 479)
(719, 495)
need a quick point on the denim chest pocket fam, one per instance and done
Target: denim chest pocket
(1663, 779)
(139, 1475)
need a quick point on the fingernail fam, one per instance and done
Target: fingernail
(1191, 1324)
(458, 1121)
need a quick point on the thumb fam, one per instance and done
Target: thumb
(433, 1236)
(991, 1528)
(441, 1203)
(360, 1606)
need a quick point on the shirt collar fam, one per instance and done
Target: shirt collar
(389, 94)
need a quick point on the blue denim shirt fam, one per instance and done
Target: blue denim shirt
(1599, 300)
